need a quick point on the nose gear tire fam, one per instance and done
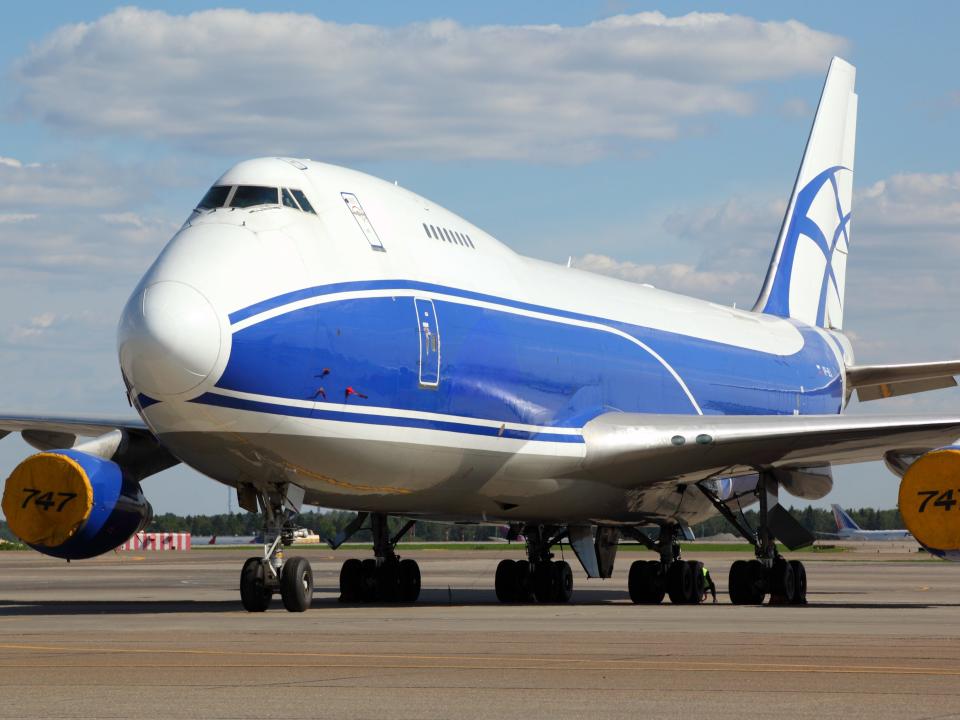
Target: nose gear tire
(254, 594)
(296, 584)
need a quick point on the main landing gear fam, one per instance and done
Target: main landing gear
(292, 577)
(384, 578)
(652, 580)
(750, 581)
(539, 578)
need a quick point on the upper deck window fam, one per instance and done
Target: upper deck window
(250, 195)
(215, 197)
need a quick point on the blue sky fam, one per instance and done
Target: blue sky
(672, 169)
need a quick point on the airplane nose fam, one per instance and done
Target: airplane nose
(169, 339)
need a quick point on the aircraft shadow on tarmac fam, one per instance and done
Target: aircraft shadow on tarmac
(430, 597)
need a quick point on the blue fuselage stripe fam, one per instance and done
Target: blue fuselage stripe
(392, 420)
(491, 363)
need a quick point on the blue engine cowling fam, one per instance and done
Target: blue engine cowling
(73, 505)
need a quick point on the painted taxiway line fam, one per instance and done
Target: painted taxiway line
(464, 662)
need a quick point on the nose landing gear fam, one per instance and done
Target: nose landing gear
(292, 577)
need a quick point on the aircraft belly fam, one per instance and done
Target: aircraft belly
(406, 478)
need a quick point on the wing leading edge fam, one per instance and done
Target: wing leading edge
(633, 450)
(126, 441)
(90, 426)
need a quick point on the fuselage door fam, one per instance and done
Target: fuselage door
(429, 332)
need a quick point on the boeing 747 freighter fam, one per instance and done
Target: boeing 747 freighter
(316, 335)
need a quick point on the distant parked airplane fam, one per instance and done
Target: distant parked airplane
(847, 529)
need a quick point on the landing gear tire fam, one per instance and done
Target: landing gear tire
(646, 582)
(387, 581)
(255, 595)
(524, 588)
(783, 583)
(296, 584)
(696, 570)
(747, 584)
(409, 581)
(544, 582)
(800, 580)
(680, 585)
(505, 582)
(684, 582)
(562, 582)
(351, 581)
(368, 580)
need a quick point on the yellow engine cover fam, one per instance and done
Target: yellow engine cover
(930, 499)
(47, 498)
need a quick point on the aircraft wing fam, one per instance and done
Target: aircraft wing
(633, 450)
(875, 382)
(137, 449)
(76, 426)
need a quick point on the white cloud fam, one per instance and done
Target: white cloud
(10, 218)
(33, 328)
(24, 185)
(907, 202)
(290, 83)
(676, 277)
(796, 108)
(62, 331)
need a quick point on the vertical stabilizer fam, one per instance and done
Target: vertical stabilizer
(806, 277)
(844, 521)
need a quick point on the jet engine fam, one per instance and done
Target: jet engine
(72, 505)
(929, 501)
(84, 500)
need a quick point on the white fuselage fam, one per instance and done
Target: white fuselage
(267, 344)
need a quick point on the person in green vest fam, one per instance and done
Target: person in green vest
(708, 586)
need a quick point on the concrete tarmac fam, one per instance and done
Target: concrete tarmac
(162, 635)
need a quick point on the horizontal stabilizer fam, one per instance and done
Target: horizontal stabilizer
(875, 382)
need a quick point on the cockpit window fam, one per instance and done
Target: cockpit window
(250, 195)
(288, 200)
(215, 197)
(304, 203)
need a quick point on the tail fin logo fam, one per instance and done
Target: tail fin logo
(817, 240)
(844, 521)
(806, 277)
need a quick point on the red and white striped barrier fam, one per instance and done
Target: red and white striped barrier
(157, 541)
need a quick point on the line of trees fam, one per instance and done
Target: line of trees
(813, 519)
(328, 523)
(325, 524)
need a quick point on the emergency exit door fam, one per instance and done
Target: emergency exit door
(429, 332)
